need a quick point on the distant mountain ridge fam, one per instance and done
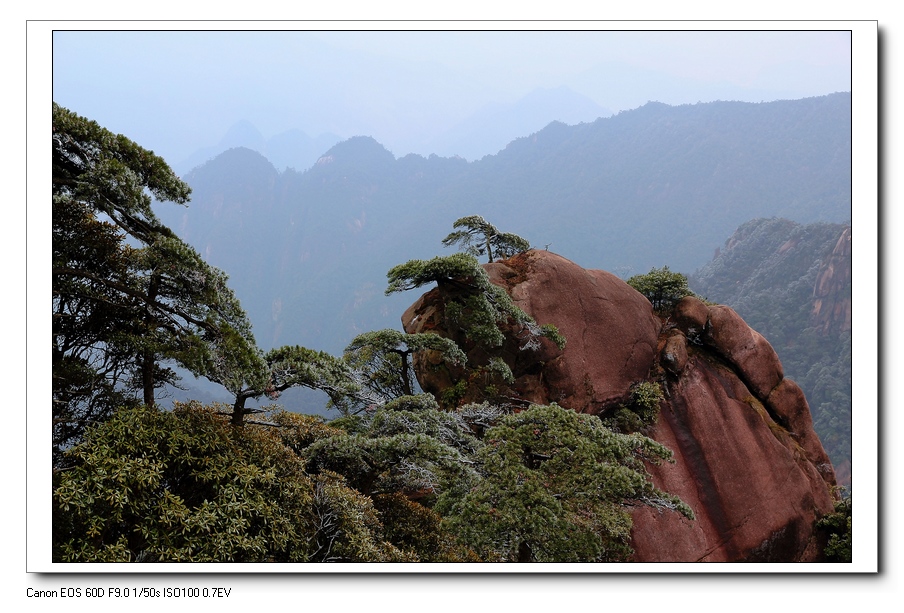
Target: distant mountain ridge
(485, 132)
(290, 149)
(489, 130)
(307, 252)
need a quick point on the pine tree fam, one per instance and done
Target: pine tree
(129, 297)
(480, 237)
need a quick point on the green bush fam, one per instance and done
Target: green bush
(539, 500)
(186, 486)
(641, 412)
(662, 287)
(838, 527)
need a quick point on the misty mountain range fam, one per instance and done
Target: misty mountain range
(307, 251)
(491, 127)
(415, 92)
(485, 132)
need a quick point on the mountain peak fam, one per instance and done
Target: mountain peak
(242, 133)
(358, 152)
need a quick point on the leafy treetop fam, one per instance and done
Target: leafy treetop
(110, 173)
(185, 486)
(483, 306)
(295, 366)
(662, 287)
(537, 500)
(479, 237)
(837, 526)
(382, 357)
(128, 295)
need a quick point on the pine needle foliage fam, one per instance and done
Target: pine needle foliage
(480, 306)
(662, 287)
(479, 237)
(129, 297)
(556, 487)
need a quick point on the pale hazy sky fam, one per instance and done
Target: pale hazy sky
(176, 92)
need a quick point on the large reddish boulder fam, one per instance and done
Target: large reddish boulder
(747, 460)
(788, 405)
(585, 306)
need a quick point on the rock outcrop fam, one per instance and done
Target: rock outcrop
(585, 305)
(747, 460)
(832, 293)
(792, 283)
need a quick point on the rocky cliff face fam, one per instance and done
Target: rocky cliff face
(792, 283)
(831, 294)
(746, 457)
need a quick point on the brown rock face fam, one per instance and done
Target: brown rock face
(747, 460)
(751, 355)
(753, 489)
(585, 306)
(691, 316)
(674, 353)
(832, 292)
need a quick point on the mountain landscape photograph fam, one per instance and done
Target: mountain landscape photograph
(437, 300)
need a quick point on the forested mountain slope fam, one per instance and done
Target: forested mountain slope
(307, 251)
(792, 283)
